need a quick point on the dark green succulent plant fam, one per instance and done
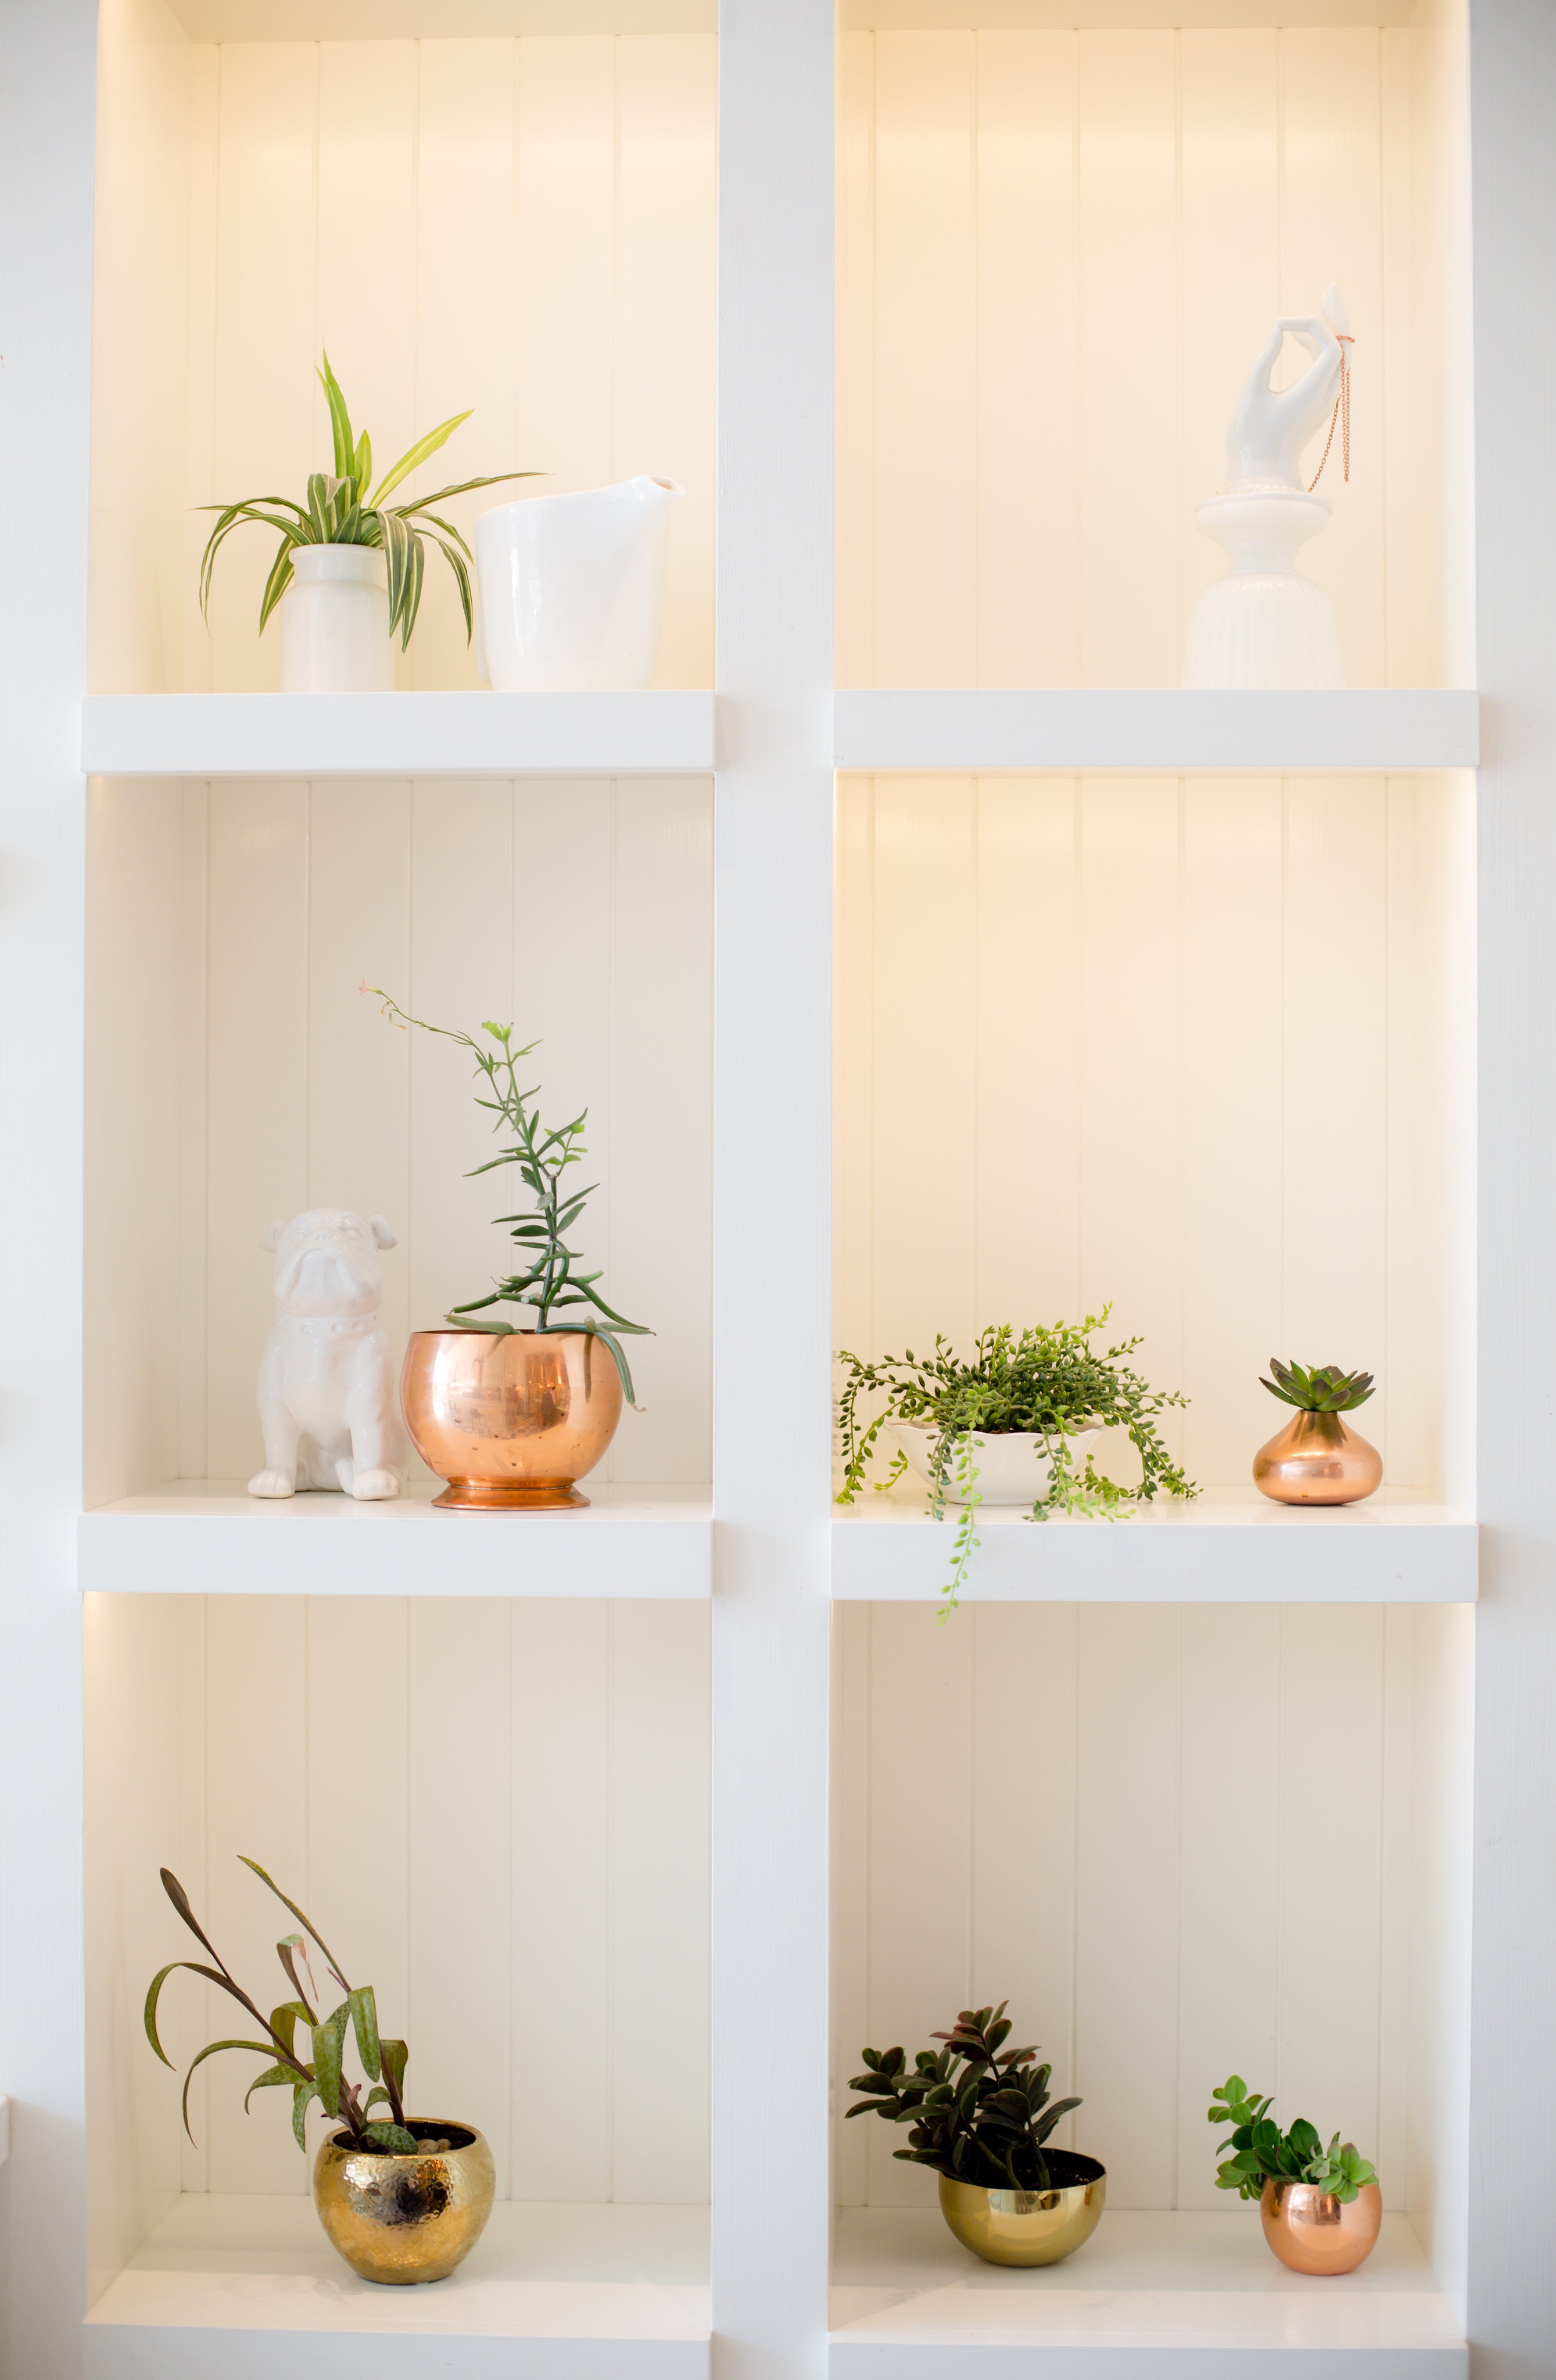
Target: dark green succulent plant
(1321, 1389)
(979, 2112)
(1259, 2151)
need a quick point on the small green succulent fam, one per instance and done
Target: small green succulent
(1321, 1389)
(1259, 2151)
(979, 2112)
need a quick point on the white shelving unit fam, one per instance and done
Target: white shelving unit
(1148, 728)
(397, 734)
(926, 957)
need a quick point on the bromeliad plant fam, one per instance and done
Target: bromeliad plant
(1261, 2152)
(978, 2112)
(559, 1298)
(305, 2048)
(1318, 1390)
(340, 511)
(1050, 1381)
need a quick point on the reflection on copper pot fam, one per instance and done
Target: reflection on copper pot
(1316, 1460)
(510, 1420)
(1314, 2232)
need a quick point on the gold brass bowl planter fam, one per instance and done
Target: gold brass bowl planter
(1028, 2226)
(510, 1420)
(405, 2218)
(1316, 1460)
(1313, 2231)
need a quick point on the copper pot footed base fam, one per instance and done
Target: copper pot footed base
(486, 1495)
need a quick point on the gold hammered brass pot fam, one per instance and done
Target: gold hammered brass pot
(1028, 2226)
(1316, 1460)
(1313, 2232)
(510, 1420)
(405, 2218)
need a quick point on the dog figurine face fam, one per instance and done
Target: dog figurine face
(326, 1262)
(327, 1399)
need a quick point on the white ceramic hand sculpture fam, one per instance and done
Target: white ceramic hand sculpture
(1271, 427)
(328, 1403)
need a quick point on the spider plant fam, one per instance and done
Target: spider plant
(340, 511)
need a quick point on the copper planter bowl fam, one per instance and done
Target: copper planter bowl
(510, 1420)
(1313, 2232)
(405, 2218)
(1316, 1460)
(1028, 2226)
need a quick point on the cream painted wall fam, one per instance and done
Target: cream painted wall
(1199, 1047)
(1058, 254)
(532, 1915)
(237, 1073)
(524, 226)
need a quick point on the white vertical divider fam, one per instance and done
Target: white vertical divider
(771, 1315)
(1512, 2063)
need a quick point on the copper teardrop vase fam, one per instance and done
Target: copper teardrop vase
(510, 1420)
(1316, 1460)
(1313, 2231)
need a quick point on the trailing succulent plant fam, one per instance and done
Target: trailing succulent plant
(546, 1284)
(1259, 2151)
(978, 2112)
(305, 2048)
(1047, 1380)
(340, 511)
(1319, 1389)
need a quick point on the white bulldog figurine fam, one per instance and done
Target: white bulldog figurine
(328, 1406)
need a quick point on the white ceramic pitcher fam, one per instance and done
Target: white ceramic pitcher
(572, 587)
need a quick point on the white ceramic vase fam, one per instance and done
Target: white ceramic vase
(1263, 625)
(334, 622)
(1013, 1467)
(572, 587)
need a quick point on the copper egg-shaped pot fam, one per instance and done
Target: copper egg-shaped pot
(1313, 2231)
(510, 1420)
(1316, 1459)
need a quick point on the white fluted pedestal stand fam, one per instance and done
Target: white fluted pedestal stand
(1263, 625)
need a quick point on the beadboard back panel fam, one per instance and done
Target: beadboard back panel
(498, 1814)
(1182, 1842)
(239, 1072)
(1059, 253)
(521, 226)
(1202, 1047)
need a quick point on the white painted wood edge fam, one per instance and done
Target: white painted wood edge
(1209, 1553)
(628, 1545)
(864, 2359)
(397, 734)
(1131, 727)
(5, 2129)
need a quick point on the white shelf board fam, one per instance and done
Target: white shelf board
(668, 734)
(1228, 1544)
(250, 2287)
(1160, 729)
(1151, 2297)
(206, 1537)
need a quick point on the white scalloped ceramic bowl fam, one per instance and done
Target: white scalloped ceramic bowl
(1013, 1465)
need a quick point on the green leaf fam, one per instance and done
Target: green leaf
(364, 2022)
(329, 2045)
(210, 2050)
(268, 2081)
(414, 456)
(155, 1993)
(301, 2097)
(394, 2055)
(340, 420)
(393, 2137)
(303, 1919)
(275, 586)
(284, 2019)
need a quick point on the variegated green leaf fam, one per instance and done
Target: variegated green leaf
(340, 419)
(329, 2044)
(210, 2050)
(364, 2023)
(301, 2097)
(414, 456)
(268, 2081)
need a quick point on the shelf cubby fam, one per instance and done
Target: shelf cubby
(465, 213)
(504, 1806)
